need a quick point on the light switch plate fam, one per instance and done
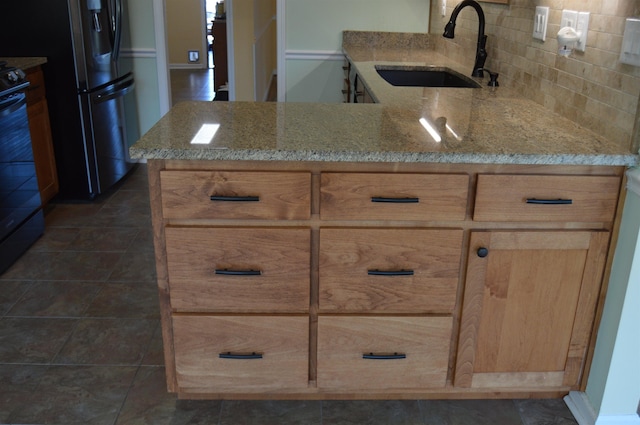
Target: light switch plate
(630, 53)
(540, 20)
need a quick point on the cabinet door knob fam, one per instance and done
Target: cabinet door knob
(483, 252)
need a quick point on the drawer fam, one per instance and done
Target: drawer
(546, 198)
(36, 89)
(243, 353)
(389, 270)
(352, 350)
(384, 196)
(238, 269)
(236, 195)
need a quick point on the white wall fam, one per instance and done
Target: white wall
(313, 39)
(139, 55)
(614, 382)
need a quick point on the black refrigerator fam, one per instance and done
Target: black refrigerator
(86, 88)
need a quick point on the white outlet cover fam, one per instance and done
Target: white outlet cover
(630, 53)
(569, 19)
(583, 30)
(540, 21)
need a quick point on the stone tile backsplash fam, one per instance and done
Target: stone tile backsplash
(590, 88)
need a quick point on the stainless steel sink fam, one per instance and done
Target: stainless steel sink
(424, 76)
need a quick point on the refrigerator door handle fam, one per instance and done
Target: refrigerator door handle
(116, 28)
(115, 90)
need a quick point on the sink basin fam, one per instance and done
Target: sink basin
(424, 77)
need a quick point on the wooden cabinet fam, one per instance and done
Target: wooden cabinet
(394, 353)
(529, 304)
(352, 280)
(41, 139)
(360, 92)
(531, 295)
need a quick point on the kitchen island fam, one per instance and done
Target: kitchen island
(347, 251)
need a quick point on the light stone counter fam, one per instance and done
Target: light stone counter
(485, 125)
(24, 63)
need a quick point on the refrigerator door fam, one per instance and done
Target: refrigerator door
(98, 33)
(108, 154)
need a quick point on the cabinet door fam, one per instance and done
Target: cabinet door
(529, 307)
(43, 155)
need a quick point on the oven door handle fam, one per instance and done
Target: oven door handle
(11, 107)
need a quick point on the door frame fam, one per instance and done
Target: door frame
(162, 63)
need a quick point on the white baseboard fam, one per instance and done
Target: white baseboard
(618, 420)
(581, 408)
(187, 66)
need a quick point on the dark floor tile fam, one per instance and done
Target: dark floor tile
(545, 412)
(130, 198)
(126, 300)
(68, 265)
(77, 395)
(104, 239)
(17, 382)
(123, 216)
(470, 412)
(155, 353)
(143, 240)
(108, 341)
(149, 403)
(27, 340)
(270, 412)
(11, 292)
(56, 298)
(364, 412)
(56, 239)
(135, 266)
(71, 215)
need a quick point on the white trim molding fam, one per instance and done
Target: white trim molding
(633, 180)
(581, 408)
(137, 52)
(584, 413)
(618, 420)
(332, 55)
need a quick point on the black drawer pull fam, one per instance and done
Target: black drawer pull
(390, 272)
(236, 356)
(394, 356)
(395, 200)
(549, 201)
(227, 272)
(235, 198)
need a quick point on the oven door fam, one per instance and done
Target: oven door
(19, 194)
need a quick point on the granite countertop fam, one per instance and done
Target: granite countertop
(485, 125)
(24, 63)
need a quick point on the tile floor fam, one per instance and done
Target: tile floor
(80, 341)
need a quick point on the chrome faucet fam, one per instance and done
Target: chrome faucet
(481, 53)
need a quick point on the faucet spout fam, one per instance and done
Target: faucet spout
(449, 32)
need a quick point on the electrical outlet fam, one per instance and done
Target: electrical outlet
(194, 56)
(569, 19)
(583, 30)
(540, 23)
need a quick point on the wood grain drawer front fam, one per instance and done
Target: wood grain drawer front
(243, 353)
(546, 198)
(236, 195)
(389, 270)
(343, 342)
(239, 269)
(383, 196)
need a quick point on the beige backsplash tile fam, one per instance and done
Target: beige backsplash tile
(592, 88)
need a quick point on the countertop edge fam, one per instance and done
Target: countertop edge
(629, 160)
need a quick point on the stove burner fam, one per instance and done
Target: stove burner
(11, 80)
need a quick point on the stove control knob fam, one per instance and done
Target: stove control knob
(12, 76)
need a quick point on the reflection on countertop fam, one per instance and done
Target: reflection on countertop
(409, 124)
